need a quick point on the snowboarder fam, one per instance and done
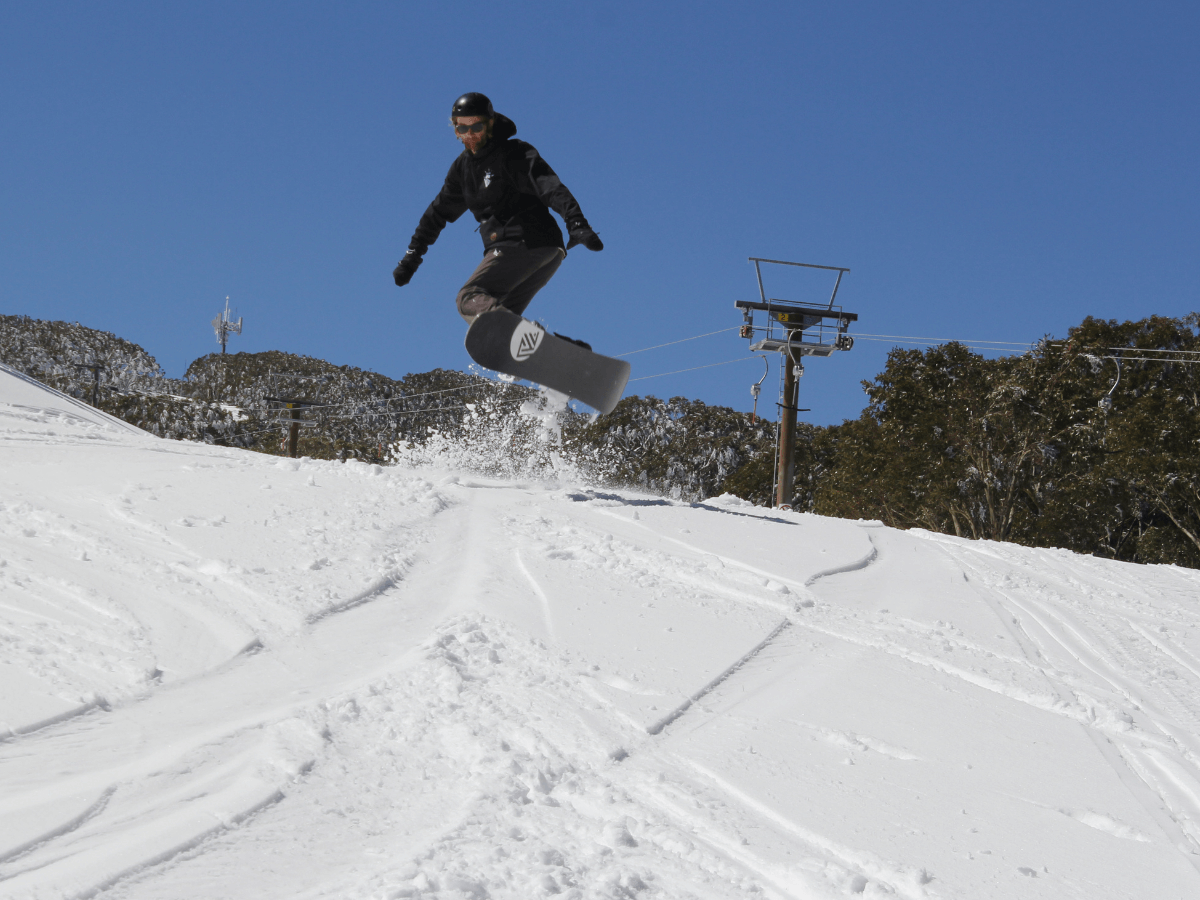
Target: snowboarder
(510, 189)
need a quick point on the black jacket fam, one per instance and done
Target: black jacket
(507, 186)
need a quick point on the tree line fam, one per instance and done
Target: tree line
(1091, 443)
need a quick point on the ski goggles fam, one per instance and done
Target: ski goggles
(473, 129)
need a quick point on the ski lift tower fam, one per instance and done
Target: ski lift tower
(794, 330)
(225, 326)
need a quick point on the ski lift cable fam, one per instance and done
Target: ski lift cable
(241, 434)
(995, 345)
(692, 369)
(1130, 353)
(1133, 349)
(285, 423)
(465, 387)
(981, 348)
(384, 401)
(1176, 356)
(680, 341)
(417, 412)
(742, 358)
(930, 340)
(1154, 359)
(1151, 350)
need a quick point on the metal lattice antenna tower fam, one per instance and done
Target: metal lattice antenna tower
(225, 326)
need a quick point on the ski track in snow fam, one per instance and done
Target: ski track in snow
(228, 675)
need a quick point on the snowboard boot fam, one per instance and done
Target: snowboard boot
(584, 344)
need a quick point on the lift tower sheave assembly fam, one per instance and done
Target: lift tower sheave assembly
(794, 330)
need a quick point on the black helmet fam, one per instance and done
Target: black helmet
(472, 104)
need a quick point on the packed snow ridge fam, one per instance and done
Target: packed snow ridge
(229, 675)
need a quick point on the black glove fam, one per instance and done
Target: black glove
(403, 272)
(581, 233)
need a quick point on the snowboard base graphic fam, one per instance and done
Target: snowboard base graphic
(505, 342)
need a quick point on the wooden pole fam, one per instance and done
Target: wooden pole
(293, 430)
(786, 467)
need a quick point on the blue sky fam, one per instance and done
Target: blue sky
(986, 171)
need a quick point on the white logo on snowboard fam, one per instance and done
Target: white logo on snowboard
(525, 341)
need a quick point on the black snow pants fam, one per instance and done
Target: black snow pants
(509, 276)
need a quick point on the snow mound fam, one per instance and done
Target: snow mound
(229, 675)
(29, 410)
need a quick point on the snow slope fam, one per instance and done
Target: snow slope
(225, 675)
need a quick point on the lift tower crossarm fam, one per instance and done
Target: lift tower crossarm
(784, 305)
(783, 262)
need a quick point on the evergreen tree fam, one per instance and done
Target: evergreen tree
(680, 447)
(1151, 446)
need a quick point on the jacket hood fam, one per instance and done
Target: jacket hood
(504, 128)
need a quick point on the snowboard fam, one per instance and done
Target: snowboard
(505, 342)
